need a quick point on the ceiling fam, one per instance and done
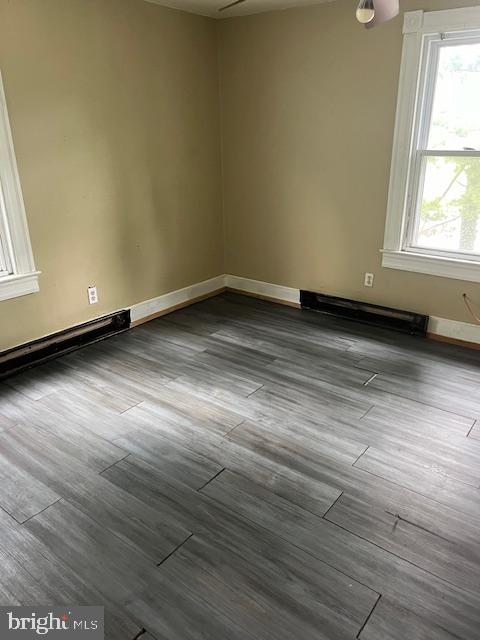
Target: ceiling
(210, 7)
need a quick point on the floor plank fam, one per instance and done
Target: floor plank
(20, 494)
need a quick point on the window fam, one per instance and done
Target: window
(18, 276)
(433, 217)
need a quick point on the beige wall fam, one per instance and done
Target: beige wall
(308, 113)
(114, 111)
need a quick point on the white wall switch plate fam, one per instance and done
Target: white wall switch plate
(369, 279)
(92, 295)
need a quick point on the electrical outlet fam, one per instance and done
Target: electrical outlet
(92, 295)
(369, 279)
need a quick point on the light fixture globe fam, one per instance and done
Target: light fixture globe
(365, 11)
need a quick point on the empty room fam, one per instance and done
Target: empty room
(240, 319)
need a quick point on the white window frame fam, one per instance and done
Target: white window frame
(423, 33)
(18, 276)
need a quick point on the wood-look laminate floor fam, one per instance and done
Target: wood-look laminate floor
(244, 470)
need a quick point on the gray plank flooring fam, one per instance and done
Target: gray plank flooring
(240, 469)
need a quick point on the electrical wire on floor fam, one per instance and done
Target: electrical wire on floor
(471, 308)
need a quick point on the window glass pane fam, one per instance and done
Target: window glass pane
(450, 207)
(455, 123)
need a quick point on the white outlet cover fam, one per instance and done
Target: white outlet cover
(92, 295)
(369, 277)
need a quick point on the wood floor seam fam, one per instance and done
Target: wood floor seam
(225, 435)
(39, 512)
(363, 453)
(474, 424)
(367, 412)
(368, 617)
(254, 392)
(211, 479)
(128, 409)
(331, 506)
(100, 473)
(113, 464)
(159, 564)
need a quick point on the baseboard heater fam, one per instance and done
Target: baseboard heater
(404, 321)
(56, 344)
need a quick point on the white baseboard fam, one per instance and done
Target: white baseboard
(256, 287)
(157, 305)
(455, 330)
(452, 329)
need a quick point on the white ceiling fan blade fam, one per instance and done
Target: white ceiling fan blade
(231, 4)
(384, 10)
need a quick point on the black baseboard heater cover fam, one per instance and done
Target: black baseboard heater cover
(56, 344)
(404, 321)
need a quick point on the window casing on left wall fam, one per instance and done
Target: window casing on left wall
(18, 276)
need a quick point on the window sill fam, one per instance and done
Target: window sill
(432, 265)
(18, 285)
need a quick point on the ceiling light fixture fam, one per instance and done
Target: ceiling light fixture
(365, 11)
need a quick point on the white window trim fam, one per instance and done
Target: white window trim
(23, 278)
(419, 25)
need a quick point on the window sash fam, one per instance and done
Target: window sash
(432, 45)
(5, 268)
(4, 265)
(6, 248)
